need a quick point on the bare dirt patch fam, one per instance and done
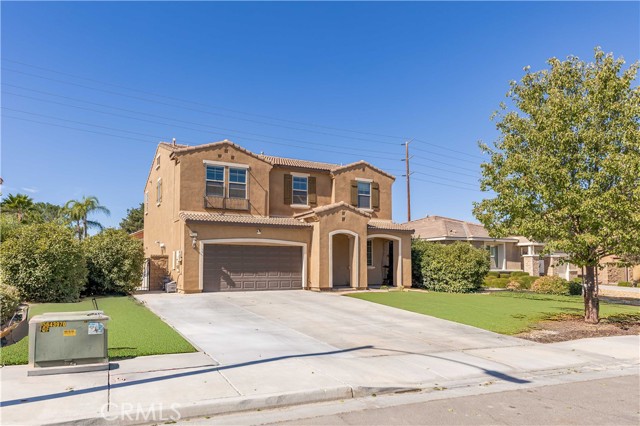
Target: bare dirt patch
(570, 327)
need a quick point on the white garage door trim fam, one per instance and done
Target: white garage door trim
(249, 241)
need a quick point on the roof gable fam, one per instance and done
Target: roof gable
(347, 167)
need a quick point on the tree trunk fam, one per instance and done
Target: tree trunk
(84, 224)
(591, 302)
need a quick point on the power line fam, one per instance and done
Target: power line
(451, 186)
(226, 109)
(202, 104)
(168, 118)
(154, 142)
(188, 122)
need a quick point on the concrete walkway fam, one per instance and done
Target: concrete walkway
(264, 350)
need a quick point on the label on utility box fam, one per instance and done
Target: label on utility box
(68, 333)
(96, 328)
(45, 326)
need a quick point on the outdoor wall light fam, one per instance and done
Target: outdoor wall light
(258, 231)
(194, 238)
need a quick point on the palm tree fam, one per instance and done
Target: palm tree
(79, 212)
(18, 204)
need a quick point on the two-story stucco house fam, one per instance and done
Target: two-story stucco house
(221, 218)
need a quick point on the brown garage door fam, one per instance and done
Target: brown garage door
(238, 268)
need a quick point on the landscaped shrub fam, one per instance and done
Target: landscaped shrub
(575, 287)
(505, 275)
(550, 285)
(498, 283)
(519, 274)
(9, 301)
(454, 268)
(45, 263)
(526, 281)
(514, 285)
(624, 284)
(114, 260)
(417, 254)
(493, 274)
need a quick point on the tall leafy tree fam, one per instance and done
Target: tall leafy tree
(19, 204)
(134, 221)
(79, 212)
(565, 169)
(46, 212)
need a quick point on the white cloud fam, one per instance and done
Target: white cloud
(29, 190)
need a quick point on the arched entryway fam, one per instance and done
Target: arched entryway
(343, 259)
(384, 260)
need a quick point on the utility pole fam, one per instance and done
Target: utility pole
(406, 160)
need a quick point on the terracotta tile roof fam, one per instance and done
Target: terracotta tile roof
(432, 227)
(387, 225)
(339, 169)
(303, 164)
(240, 219)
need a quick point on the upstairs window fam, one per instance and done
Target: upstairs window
(215, 181)
(237, 183)
(146, 202)
(364, 195)
(300, 190)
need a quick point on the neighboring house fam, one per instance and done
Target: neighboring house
(611, 272)
(221, 218)
(513, 253)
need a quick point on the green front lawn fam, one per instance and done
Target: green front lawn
(502, 312)
(133, 330)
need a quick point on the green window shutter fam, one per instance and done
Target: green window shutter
(375, 195)
(354, 193)
(311, 188)
(288, 189)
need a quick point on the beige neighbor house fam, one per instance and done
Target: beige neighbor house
(513, 253)
(221, 218)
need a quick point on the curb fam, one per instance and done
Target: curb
(175, 412)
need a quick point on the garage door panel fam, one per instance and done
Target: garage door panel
(246, 267)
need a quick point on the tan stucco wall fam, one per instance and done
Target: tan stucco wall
(277, 206)
(342, 188)
(405, 250)
(341, 219)
(190, 281)
(161, 222)
(193, 180)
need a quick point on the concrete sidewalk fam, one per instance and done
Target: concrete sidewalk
(168, 387)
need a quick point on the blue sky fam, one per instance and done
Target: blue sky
(335, 82)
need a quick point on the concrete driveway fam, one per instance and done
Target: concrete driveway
(246, 326)
(327, 335)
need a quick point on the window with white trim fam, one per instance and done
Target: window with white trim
(159, 191)
(300, 190)
(364, 195)
(369, 253)
(237, 183)
(146, 202)
(158, 162)
(215, 181)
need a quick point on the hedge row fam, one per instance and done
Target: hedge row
(46, 263)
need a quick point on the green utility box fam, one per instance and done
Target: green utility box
(68, 342)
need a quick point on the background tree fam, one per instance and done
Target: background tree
(566, 167)
(114, 261)
(46, 212)
(18, 204)
(134, 220)
(79, 212)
